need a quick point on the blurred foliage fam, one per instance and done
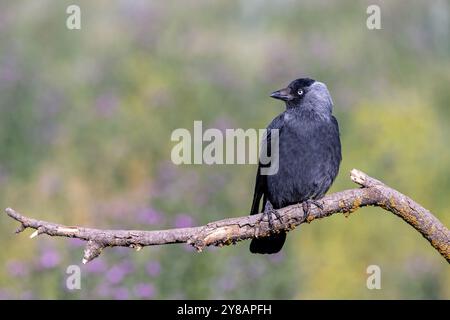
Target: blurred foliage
(86, 118)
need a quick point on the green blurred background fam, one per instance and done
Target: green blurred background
(86, 118)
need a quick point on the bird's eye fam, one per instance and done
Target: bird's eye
(300, 92)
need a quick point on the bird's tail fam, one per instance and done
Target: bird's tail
(268, 245)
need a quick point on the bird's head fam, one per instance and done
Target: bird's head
(306, 93)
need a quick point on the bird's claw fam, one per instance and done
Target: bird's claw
(306, 206)
(268, 213)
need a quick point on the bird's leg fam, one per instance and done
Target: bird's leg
(268, 212)
(306, 206)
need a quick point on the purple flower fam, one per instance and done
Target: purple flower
(106, 104)
(150, 216)
(76, 243)
(103, 290)
(121, 293)
(17, 268)
(144, 290)
(256, 270)
(4, 294)
(27, 295)
(49, 258)
(49, 103)
(227, 284)
(153, 268)
(115, 274)
(9, 71)
(277, 258)
(183, 221)
(96, 266)
(166, 176)
(127, 267)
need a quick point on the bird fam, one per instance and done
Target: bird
(309, 156)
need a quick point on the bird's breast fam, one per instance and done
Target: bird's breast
(309, 157)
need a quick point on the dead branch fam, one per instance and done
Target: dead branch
(230, 231)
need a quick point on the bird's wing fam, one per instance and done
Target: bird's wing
(261, 180)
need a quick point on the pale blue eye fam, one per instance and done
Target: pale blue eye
(300, 92)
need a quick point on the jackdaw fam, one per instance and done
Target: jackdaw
(309, 155)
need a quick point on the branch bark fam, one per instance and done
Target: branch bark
(230, 231)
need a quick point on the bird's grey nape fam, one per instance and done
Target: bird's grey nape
(318, 99)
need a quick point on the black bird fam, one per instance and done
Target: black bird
(309, 155)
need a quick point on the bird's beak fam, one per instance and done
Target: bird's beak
(283, 94)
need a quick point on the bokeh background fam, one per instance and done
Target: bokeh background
(86, 118)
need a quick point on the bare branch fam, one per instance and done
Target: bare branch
(230, 231)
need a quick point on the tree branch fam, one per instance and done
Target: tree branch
(230, 231)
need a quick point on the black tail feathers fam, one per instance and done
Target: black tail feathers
(268, 245)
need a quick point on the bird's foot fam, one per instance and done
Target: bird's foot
(268, 214)
(306, 206)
